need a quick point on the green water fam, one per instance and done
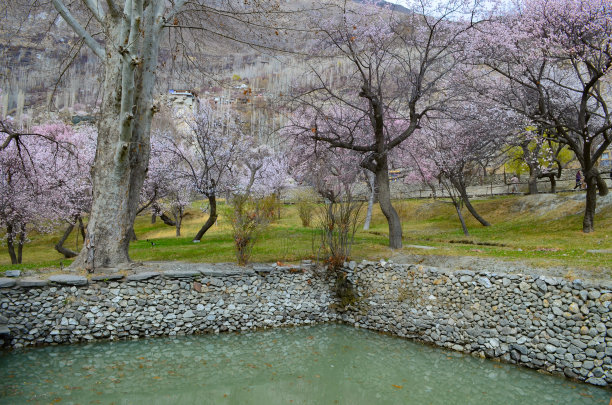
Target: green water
(327, 364)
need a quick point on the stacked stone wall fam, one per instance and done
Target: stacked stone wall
(559, 325)
(159, 304)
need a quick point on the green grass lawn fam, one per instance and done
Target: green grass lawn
(549, 239)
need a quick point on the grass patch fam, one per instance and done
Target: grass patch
(542, 239)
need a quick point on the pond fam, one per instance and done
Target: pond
(324, 364)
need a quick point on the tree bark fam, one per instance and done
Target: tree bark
(463, 225)
(122, 151)
(153, 218)
(22, 237)
(81, 227)
(59, 246)
(532, 182)
(10, 244)
(212, 218)
(588, 222)
(167, 220)
(177, 212)
(466, 200)
(371, 199)
(384, 200)
(601, 185)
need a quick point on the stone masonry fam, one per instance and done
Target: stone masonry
(554, 324)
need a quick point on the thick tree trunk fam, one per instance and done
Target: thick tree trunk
(22, 238)
(601, 185)
(460, 215)
(10, 244)
(466, 200)
(153, 218)
(81, 227)
(178, 227)
(371, 199)
(532, 182)
(59, 246)
(553, 184)
(384, 200)
(588, 222)
(178, 219)
(122, 151)
(212, 218)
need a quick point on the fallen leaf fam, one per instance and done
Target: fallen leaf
(399, 387)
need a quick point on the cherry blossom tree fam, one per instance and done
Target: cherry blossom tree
(208, 153)
(549, 60)
(43, 180)
(449, 150)
(74, 174)
(396, 72)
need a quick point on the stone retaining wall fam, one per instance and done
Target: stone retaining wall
(562, 326)
(558, 325)
(70, 309)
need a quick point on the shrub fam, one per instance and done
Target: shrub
(248, 221)
(305, 203)
(337, 223)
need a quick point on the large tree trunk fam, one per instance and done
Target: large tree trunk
(532, 182)
(601, 185)
(177, 212)
(553, 184)
(466, 200)
(10, 244)
(384, 200)
(212, 218)
(59, 246)
(122, 152)
(371, 200)
(81, 227)
(460, 215)
(588, 222)
(22, 239)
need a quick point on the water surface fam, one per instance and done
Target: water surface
(325, 364)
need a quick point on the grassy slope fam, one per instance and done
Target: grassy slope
(544, 240)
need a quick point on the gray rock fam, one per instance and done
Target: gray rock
(6, 282)
(142, 276)
(225, 272)
(181, 273)
(12, 273)
(520, 348)
(597, 381)
(485, 282)
(465, 279)
(4, 330)
(32, 282)
(107, 277)
(262, 269)
(594, 294)
(68, 279)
